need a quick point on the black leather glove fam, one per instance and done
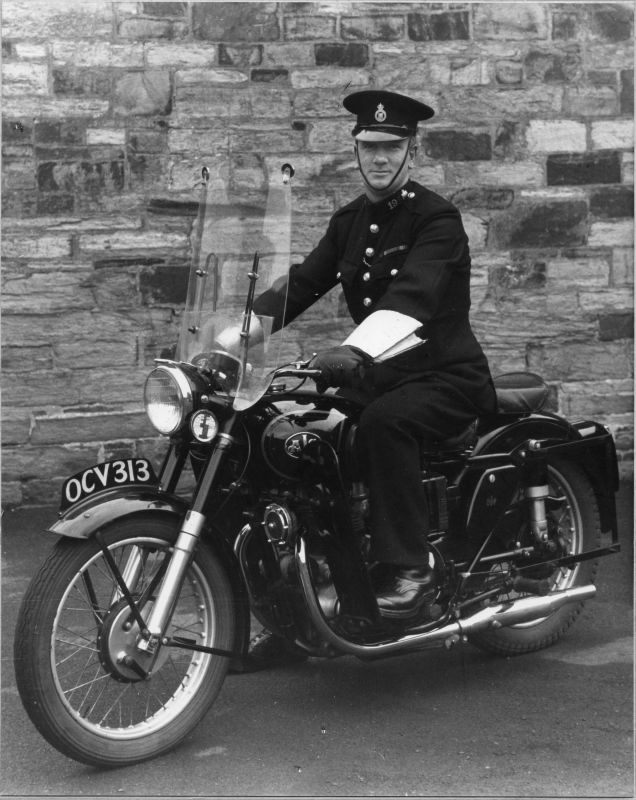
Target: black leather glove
(340, 366)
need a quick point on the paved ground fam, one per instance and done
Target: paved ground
(437, 724)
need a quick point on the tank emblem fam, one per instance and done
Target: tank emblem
(296, 443)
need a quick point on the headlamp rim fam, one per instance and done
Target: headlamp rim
(184, 388)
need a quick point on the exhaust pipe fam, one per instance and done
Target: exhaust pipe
(501, 615)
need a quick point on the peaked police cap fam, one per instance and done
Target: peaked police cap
(385, 115)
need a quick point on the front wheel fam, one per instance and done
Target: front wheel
(573, 521)
(76, 644)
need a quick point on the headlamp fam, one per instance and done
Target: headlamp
(168, 398)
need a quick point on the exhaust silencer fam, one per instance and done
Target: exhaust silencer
(501, 615)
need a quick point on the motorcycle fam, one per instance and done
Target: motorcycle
(128, 630)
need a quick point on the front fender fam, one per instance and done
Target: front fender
(84, 519)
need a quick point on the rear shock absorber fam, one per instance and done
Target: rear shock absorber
(537, 496)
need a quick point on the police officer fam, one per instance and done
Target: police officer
(401, 255)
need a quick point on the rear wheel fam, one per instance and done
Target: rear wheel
(78, 669)
(573, 520)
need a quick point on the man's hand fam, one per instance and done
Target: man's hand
(340, 366)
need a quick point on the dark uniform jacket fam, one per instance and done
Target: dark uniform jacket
(408, 253)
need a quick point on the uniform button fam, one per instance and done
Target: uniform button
(367, 302)
(394, 272)
(374, 228)
(369, 252)
(366, 276)
(339, 275)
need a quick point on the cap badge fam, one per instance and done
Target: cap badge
(380, 114)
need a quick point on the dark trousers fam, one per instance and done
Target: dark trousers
(393, 429)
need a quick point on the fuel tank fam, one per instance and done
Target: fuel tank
(293, 423)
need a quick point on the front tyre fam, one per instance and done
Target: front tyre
(573, 521)
(75, 639)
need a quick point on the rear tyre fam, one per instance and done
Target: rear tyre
(575, 522)
(75, 639)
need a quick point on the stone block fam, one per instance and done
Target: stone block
(556, 136)
(141, 241)
(336, 54)
(508, 72)
(36, 390)
(144, 29)
(580, 360)
(627, 168)
(619, 325)
(445, 26)
(86, 427)
(593, 271)
(467, 71)
(26, 20)
(327, 137)
(567, 25)
(606, 301)
(45, 293)
(617, 56)
(300, 27)
(486, 197)
(36, 245)
(623, 266)
(548, 224)
(614, 134)
(627, 92)
(66, 132)
(287, 54)
(270, 102)
(458, 145)
(612, 201)
(596, 399)
(17, 175)
(494, 173)
(89, 53)
(619, 233)
(588, 168)
(590, 101)
(165, 9)
(332, 78)
(163, 284)
(241, 56)
(24, 78)
(16, 426)
(385, 27)
(82, 81)
(143, 93)
(534, 102)
(235, 22)
(611, 22)
(106, 136)
(177, 56)
(277, 76)
(510, 21)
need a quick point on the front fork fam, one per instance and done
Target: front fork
(185, 546)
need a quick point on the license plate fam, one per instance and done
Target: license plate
(110, 474)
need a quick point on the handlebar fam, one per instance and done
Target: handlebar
(297, 372)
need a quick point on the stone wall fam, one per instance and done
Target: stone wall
(110, 108)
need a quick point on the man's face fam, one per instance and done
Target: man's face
(380, 162)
